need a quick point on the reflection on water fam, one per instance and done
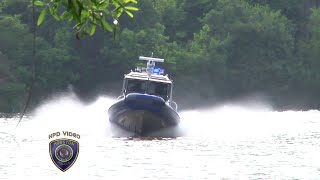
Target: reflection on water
(221, 143)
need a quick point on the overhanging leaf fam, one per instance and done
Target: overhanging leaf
(39, 3)
(129, 13)
(93, 29)
(131, 8)
(119, 12)
(64, 15)
(104, 4)
(41, 17)
(132, 1)
(53, 13)
(105, 25)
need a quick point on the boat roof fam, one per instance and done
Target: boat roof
(144, 76)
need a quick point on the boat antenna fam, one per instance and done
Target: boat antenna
(151, 63)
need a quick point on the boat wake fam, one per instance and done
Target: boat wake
(226, 122)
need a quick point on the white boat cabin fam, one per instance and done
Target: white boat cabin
(155, 84)
(149, 80)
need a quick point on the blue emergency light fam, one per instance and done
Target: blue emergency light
(158, 71)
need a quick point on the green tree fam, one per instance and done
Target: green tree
(306, 68)
(172, 15)
(13, 40)
(132, 45)
(259, 48)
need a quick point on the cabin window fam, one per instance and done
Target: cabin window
(158, 89)
(150, 87)
(136, 86)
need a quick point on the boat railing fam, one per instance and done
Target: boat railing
(121, 96)
(175, 105)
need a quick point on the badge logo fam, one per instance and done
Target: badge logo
(64, 153)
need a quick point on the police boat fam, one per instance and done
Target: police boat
(146, 103)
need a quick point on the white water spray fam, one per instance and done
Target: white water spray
(226, 122)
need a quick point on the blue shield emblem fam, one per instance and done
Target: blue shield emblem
(64, 153)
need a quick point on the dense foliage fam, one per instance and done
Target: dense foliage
(86, 14)
(215, 50)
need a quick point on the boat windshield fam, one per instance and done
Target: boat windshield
(149, 87)
(158, 89)
(136, 86)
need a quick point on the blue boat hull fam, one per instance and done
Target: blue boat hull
(142, 114)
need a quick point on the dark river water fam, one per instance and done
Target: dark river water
(227, 142)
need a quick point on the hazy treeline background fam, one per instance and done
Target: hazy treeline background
(215, 50)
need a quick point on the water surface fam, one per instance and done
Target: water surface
(227, 142)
